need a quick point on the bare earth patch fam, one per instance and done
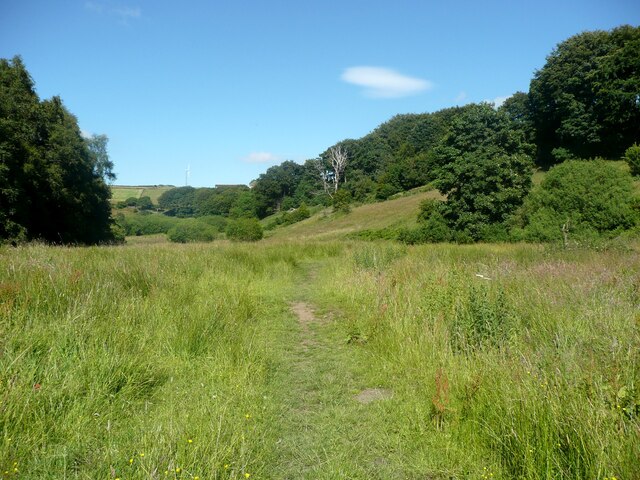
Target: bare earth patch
(369, 395)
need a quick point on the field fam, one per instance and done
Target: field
(319, 360)
(121, 193)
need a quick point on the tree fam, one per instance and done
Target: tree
(275, 185)
(332, 169)
(584, 101)
(49, 186)
(178, 201)
(485, 171)
(102, 166)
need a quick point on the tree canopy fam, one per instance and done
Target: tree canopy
(585, 100)
(52, 181)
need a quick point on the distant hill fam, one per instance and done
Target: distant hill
(120, 193)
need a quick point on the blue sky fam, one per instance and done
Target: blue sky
(230, 88)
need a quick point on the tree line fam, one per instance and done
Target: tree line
(584, 103)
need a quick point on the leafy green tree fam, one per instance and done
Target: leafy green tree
(584, 101)
(179, 202)
(579, 198)
(277, 183)
(102, 165)
(50, 188)
(485, 171)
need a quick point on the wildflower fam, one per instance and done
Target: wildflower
(190, 441)
(130, 460)
(247, 475)
(226, 466)
(178, 469)
(142, 454)
(247, 416)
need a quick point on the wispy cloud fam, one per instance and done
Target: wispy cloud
(498, 101)
(261, 157)
(461, 97)
(127, 13)
(123, 13)
(381, 82)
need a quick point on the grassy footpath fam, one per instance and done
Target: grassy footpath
(193, 361)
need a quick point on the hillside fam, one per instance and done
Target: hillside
(120, 193)
(325, 225)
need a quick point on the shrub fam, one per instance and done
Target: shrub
(191, 230)
(244, 230)
(632, 157)
(581, 199)
(341, 201)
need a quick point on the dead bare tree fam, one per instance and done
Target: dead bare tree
(331, 176)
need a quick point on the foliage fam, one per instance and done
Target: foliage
(52, 181)
(288, 218)
(579, 198)
(632, 157)
(341, 201)
(179, 202)
(278, 182)
(485, 171)
(244, 230)
(584, 100)
(192, 230)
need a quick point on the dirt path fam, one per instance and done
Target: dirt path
(327, 417)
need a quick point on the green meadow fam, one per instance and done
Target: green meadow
(319, 360)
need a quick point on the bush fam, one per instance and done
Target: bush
(579, 199)
(191, 230)
(244, 230)
(341, 201)
(288, 218)
(632, 157)
(219, 223)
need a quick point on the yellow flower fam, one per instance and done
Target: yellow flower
(190, 441)
(130, 461)
(247, 416)
(196, 478)
(142, 454)
(178, 469)
(247, 475)
(226, 466)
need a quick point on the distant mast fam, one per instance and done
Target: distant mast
(187, 172)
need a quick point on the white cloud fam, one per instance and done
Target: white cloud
(126, 13)
(498, 101)
(96, 7)
(86, 134)
(123, 13)
(381, 82)
(261, 157)
(461, 97)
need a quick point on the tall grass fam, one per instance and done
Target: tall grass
(136, 362)
(507, 361)
(173, 361)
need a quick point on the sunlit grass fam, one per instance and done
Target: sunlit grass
(155, 360)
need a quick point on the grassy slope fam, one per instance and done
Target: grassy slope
(326, 225)
(120, 193)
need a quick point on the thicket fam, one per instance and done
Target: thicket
(244, 230)
(192, 230)
(579, 200)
